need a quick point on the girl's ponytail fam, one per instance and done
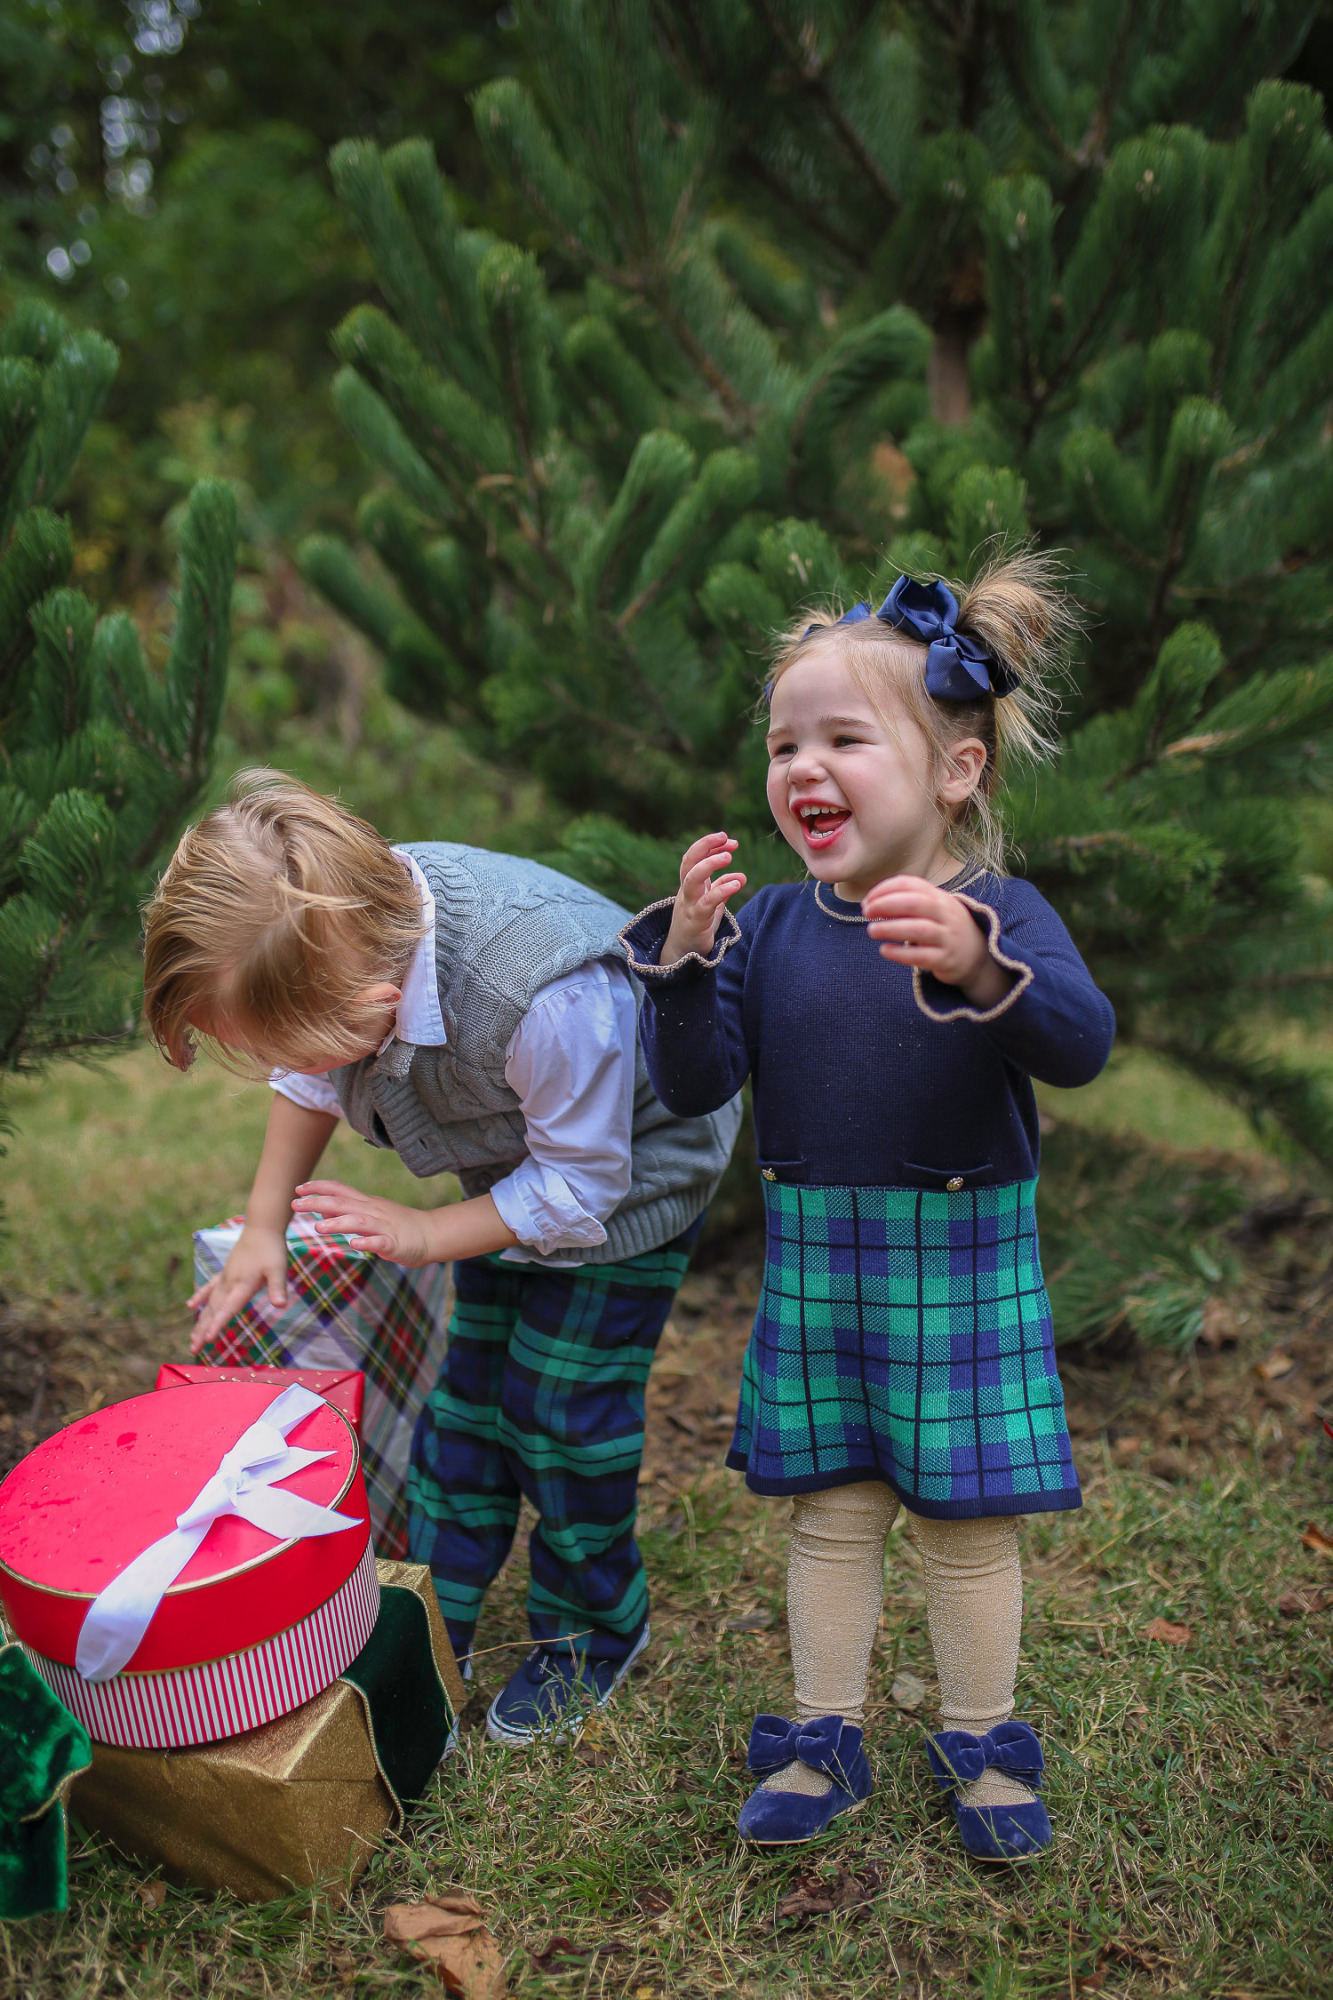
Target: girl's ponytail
(1019, 607)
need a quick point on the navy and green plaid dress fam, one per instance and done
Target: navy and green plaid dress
(903, 1331)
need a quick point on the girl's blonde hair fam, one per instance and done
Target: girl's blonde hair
(1017, 605)
(274, 914)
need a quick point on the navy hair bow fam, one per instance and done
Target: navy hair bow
(959, 667)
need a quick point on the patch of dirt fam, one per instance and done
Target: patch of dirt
(1259, 1378)
(692, 1389)
(54, 1368)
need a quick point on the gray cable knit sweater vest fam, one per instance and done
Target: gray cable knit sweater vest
(504, 928)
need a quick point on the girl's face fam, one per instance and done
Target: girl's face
(853, 796)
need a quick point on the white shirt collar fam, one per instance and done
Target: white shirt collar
(419, 1020)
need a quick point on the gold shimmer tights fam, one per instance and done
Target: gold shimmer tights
(835, 1592)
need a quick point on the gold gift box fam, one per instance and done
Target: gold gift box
(299, 1803)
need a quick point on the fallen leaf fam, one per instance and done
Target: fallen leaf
(1167, 1465)
(817, 1895)
(448, 1915)
(1218, 1328)
(1274, 1366)
(1169, 1635)
(151, 1894)
(1092, 1983)
(1126, 1448)
(556, 1948)
(908, 1692)
(1297, 1603)
(653, 1902)
(549, 1957)
(1313, 1537)
(448, 1934)
(752, 1621)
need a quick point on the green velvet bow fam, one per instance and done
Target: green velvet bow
(41, 1748)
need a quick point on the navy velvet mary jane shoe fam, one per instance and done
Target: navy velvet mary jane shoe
(993, 1833)
(783, 1819)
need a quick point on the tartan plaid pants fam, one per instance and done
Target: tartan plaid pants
(542, 1395)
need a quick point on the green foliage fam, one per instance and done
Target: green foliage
(1067, 267)
(101, 756)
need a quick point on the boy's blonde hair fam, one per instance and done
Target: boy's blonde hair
(275, 914)
(1018, 607)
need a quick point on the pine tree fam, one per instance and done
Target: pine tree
(100, 757)
(815, 295)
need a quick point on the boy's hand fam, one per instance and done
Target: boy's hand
(922, 925)
(385, 1228)
(258, 1260)
(699, 904)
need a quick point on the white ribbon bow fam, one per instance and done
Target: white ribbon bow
(243, 1484)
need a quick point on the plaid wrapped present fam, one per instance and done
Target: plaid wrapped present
(346, 1309)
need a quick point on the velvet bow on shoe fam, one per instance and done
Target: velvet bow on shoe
(830, 1745)
(993, 1833)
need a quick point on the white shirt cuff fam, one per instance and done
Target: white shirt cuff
(539, 1206)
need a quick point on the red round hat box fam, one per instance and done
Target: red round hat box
(251, 1628)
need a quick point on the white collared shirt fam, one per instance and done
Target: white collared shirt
(570, 1063)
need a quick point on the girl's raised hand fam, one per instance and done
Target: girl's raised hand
(700, 900)
(920, 924)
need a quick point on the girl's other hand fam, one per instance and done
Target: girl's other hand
(919, 924)
(701, 900)
(259, 1260)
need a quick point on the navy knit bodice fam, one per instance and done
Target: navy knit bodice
(863, 1077)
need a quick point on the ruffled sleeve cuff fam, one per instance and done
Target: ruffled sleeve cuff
(644, 936)
(939, 1002)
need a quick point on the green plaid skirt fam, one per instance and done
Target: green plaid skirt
(905, 1334)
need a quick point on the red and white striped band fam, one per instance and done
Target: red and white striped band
(202, 1704)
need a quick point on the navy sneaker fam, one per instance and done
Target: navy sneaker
(552, 1695)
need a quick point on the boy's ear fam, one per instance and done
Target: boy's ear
(381, 995)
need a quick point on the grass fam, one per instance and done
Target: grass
(1190, 1787)
(1139, 1095)
(1190, 1790)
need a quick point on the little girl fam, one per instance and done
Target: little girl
(902, 1353)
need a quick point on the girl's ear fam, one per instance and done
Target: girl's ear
(964, 770)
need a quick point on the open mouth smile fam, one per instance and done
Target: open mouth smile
(821, 824)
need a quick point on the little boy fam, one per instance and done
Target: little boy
(473, 1012)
